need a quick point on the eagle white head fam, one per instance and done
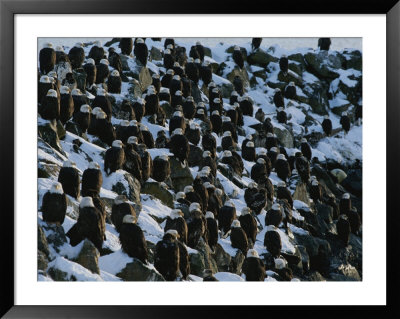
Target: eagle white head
(164, 90)
(291, 84)
(215, 90)
(180, 195)
(176, 77)
(226, 119)
(193, 126)
(78, 45)
(144, 128)
(167, 51)
(104, 61)
(280, 109)
(194, 207)
(188, 188)
(200, 111)
(198, 61)
(206, 169)
(155, 76)
(176, 213)
(97, 43)
(250, 144)
(209, 215)
(274, 149)
(48, 45)
(215, 113)
(178, 93)
(178, 114)
(234, 93)
(262, 152)
(314, 183)
(344, 114)
(85, 108)
(236, 105)
(229, 203)
(346, 196)
(280, 263)
(177, 131)
(101, 92)
(252, 253)
(56, 188)
(177, 65)
(52, 74)
(261, 161)
(217, 100)
(128, 219)
(59, 48)
(326, 117)
(235, 224)
(227, 153)
(303, 140)
(52, 93)
(172, 232)
(281, 157)
(86, 202)
(170, 72)
(276, 206)
(139, 40)
(45, 79)
(170, 46)
(206, 154)
(100, 115)
(65, 90)
(190, 60)
(90, 61)
(117, 143)
(236, 48)
(281, 184)
(115, 73)
(270, 134)
(252, 185)
(69, 163)
(94, 165)
(120, 199)
(246, 210)
(227, 133)
(219, 192)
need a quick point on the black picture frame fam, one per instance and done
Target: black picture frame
(8, 8)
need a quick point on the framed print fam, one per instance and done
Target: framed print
(171, 145)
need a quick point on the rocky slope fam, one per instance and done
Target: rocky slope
(326, 83)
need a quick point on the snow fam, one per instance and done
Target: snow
(74, 270)
(115, 262)
(227, 276)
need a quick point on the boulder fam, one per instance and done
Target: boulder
(48, 132)
(137, 271)
(158, 191)
(314, 276)
(155, 54)
(339, 106)
(60, 130)
(305, 258)
(323, 64)
(42, 261)
(277, 85)
(46, 170)
(55, 235)
(290, 76)
(195, 156)
(242, 73)
(226, 89)
(353, 60)
(197, 264)
(284, 136)
(196, 93)
(261, 58)
(301, 193)
(89, 257)
(124, 62)
(297, 68)
(112, 41)
(237, 263)
(325, 212)
(134, 89)
(181, 176)
(207, 52)
(317, 96)
(42, 242)
(59, 275)
(222, 258)
(346, 272)
(231, 49)
(205, 251)
(167, 108)
(294, 260)
(145, 78)
(130, 187)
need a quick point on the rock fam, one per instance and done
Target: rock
(340, 106)
(158, 191)
(124, 62)
(237, 262)
(112, 41)
(222, 258)
(130, 187)
(195, 156)
(48, 132)
(352, 60)
(137, 271)
(277, 85)
(59, 275)
(317, 96)
(244, 51)
(42, 261)
(205, 251)
(55, 235)
(352, 88)
(315, 276)
(134, 89)
(284, 136)
(42, 242)
(290, 77)
(242, 73)
(145, 78)
(305, 258)
(207, 52)
(294, 260)
(261, 58)
(73, 128)
(297, 68)
(325, 212)
(155, 54)
(46, 170)
(89, 257)
(260, 74)
(60, 130)
(226, 90)
(298, 57)
(301, 193)
(80, 77)
(62, 69)
(180, 176)
(325, 179)
(197, 264)
(346, 273)
(196, 93)
(323, 64)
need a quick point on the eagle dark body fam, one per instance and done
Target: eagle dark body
(70, 181)
(62, 57)
(233, 164)
(267, 126)
(179, 146)
(192, 72)
(197, 227)
(193, 135)
(152, 104)
(324, 43)
(278, 100)
(272, 155)
(133, 162)
(286, 211)
(54, 207)
(227, 142)
(194, 53)
(178, 224)
(83, 120)
(255, 43)
(206, 74)
(247, 107)
(91, 74)
(271, 141)
(126, 45)
(345, 122)
(290, 92)
(175, 85)
(161, 169)
(166, 257)
(266, 183)
(179, 70)
(76, 55)
(249, 194)
(70, 81)
(273, 243)
(273, 217)
(327, 126)
(254, 269)
(259, 201)
(92, 179)
(237, 56)
(50, 108)
(249, 226)
(282, 169)
(147, 164)
(139, 109)
(105, 131)
(47, 60)
(113, 160)
(210, 162)
(168, 61)
(281, 116)
(102, 73)
(90, 225)
(176, 100)
(214, 204)
(104, 103)
(316, 193)
(43, 88)
(303, 167)
(238, 85)
(258, 171)
(216, 122)
(166, 80)
(249, 153)
(162, 140)
(212, 229)
(133, 241)
(141, 52)
(226, 216)
(284, 193)
(354, 220)
(79, 100)
(156, 82)
(284, 64)
(231, 127)
(343, 229)
(114, 84)
(96, 53)
(189, 109)
(184, 261)
(148, 139)
(306, 150)
(239, 239)
(200, 189)
(118, 211)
